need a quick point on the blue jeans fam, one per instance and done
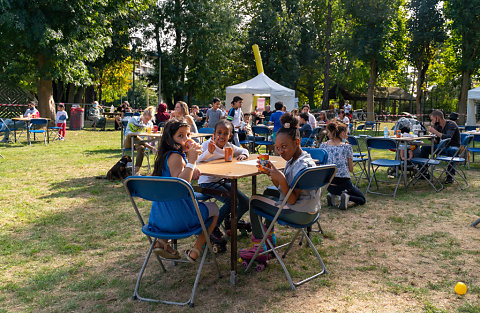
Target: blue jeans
(242, 201)
(10, 125)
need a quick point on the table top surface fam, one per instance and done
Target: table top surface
(159, 135)
(472, 132)
(237, 169)
(409, 138)
(29, 119)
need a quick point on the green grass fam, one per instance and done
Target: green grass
(71, 242)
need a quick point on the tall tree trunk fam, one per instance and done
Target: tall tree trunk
(46, 105)
(422, 73)
(90, 94)
(371, 90)
(71, 93)
(462, 104)
(79, 95)
(326, 85)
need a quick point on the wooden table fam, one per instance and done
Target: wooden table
(27, 121)
(232, 171)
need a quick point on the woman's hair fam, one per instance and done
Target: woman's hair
(236, 99)
(324, 115)
(294, 112)
(167, 144)
(149, 111)
(304, 116)
(224, 123)
(336, 128)
(289, 126)
(184, 107)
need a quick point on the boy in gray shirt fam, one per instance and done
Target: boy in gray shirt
(214, 114)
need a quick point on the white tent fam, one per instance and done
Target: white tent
(260, 85)
(473, 94)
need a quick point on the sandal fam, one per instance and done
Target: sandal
(164, 253)
(189, 258)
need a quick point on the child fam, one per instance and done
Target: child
(406, 133)
(174, 159)
(275, 118)
(235, 115)
(61, 120)
(138, 124)
(302, 205)
(214, 114)
(343, 118)
(341, 154)
(305, 128)
(214, 149)
(245, 131)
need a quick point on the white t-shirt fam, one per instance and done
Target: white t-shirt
(31, 111)
(347, 107)
(311, 120)
(58, 118)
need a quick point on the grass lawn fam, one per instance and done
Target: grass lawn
(71, 243)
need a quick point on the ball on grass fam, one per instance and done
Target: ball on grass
(460, 288)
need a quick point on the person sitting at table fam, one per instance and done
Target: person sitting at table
(181, 112)
(443, 129)
(245, 131)
(162, 115)
(139, 124)
(122, 109)
(322, 119)
(267, 113)
(95, 115)
(197, 116)
(9, 124)
(406, 133)
(176, 159)
(302, 204)
(275, 118)
(214, 149)
(341, 154)
(311, 117)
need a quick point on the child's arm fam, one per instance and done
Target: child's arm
(279, 180)
(349, 152)
(208, 148)
(178, 167)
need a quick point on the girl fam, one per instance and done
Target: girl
(341, 154)
(174, 159)
(302, 205)
(214, 149)
(138, 124)
(181, 112)
(322, 119)
(61, 120)
(343, 118)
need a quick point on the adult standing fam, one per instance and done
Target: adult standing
(311, 118)
(181, 112)
(443, 129)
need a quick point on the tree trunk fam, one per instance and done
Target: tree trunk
(371, 89)
(462, 104)
(422, 73)
(46, 105)
(326, 85)
(90, 94)
(71, 93)
(79, 95)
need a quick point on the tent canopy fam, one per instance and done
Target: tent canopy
(260, 85)
(473, 94)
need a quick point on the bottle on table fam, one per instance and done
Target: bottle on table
(385, 132)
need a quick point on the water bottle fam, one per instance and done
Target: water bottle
(385, 132)
(112, 108)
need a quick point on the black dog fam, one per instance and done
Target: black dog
(120, 170)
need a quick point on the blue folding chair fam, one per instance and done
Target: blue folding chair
(374, 165)
(37, 126)
(320, 155)
(473, 149)
(206, 130)
(312, 178)
(451, 163)
(263, 131)
(165, 189)
(359, 160)
(428, 165)
(310, 140)
(4, 128)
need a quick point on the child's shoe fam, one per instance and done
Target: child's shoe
(247, 254)
(344, 198)
(219, 242)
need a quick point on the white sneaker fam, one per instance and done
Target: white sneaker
(331, 200)
(344, 198)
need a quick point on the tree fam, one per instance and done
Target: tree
(427, 32)
(114, 80)
(375, 38)
(56, 38)
(465, 24)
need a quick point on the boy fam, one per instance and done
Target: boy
(214, 114)
(235, 115)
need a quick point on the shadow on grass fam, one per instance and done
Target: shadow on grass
(98, 187)
(113, 152)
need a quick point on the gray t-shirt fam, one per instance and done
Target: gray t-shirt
(213, 117)
(308, 201)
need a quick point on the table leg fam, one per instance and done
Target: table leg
(28, 132)
(15, 131)
(133, 155)
(233, 233)
(254, 185)
(405, 157)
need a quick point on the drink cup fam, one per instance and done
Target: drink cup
(155, 129)
(189, 143)
(149, 130)
(228, 154)
(263, 158)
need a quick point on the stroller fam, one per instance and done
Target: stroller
(410, 123)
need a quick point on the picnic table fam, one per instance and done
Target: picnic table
(27, 121)
(232, 171)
